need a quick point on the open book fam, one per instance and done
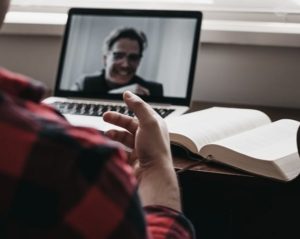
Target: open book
(242, 138)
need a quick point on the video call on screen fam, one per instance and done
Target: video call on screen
(166, 60)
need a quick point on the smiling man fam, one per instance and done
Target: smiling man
(123, 52)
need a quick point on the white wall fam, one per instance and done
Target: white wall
(35, 56)
(249, 75)
(254, 75)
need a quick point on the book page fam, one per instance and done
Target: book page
(216, 123)
(269, 142)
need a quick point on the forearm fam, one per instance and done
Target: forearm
(159, 186)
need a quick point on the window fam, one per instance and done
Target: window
(257, 10)
(266, 22)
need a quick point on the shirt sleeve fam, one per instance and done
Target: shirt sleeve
(165, 222)
(66, 182)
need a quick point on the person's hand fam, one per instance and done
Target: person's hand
(148, 136)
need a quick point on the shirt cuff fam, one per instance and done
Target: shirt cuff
(164, 222)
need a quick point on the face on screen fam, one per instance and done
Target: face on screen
(122, 61)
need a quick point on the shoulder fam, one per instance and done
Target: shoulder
(95, 74)
(94, 81)
(61, 168)
(21, 86)
(59, 173)
(87, 79)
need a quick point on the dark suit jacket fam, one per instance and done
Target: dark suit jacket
(97, 84)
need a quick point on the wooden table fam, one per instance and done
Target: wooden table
(226, 203)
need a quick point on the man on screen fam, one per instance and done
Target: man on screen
(123, 51)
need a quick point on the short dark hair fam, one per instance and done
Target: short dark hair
(125, 32)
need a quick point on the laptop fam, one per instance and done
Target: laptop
(166, 64)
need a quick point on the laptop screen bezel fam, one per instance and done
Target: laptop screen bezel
(197, 15)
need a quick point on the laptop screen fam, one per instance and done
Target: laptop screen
(152, 53)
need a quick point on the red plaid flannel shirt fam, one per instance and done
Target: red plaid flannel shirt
(60, 181)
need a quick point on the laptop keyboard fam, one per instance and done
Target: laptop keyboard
(99, 109)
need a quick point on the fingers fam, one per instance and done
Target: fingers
(121, 120)
(123, 137)
(143, 111)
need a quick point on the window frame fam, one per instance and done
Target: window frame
(220, 25)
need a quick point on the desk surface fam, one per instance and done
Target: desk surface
(182, 161)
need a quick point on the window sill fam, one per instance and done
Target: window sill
(213, 31)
